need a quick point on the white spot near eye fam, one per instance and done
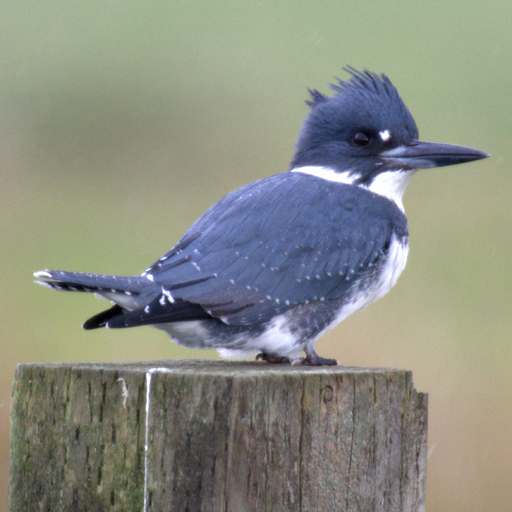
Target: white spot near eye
(385, 135)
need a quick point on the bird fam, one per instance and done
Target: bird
(276, 264)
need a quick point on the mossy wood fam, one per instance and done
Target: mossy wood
(215, 436)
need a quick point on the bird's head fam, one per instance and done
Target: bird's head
(365, 130)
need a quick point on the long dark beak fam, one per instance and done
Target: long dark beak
(420, 155)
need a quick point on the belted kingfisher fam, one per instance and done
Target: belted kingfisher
(275, 264)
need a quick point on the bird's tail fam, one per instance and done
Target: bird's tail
(94, 283)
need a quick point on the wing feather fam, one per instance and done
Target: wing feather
(285, 240)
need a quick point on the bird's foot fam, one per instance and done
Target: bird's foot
(314, 360)
(273, 358)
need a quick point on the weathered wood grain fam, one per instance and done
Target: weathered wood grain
(216, 436)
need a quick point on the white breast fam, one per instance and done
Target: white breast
(389, 273)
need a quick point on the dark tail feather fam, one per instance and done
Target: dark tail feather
(157, 313)
(101, 319)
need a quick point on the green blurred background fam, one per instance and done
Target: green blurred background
(122, 121)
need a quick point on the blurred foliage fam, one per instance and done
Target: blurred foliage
(122, 121)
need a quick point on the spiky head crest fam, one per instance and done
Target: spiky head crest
(367, 102)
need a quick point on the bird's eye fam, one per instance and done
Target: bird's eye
(361, 139)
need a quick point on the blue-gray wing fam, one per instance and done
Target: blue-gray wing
(285, 240)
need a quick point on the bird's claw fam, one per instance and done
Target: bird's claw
(314, 361)
(309, 360)
(273, 358)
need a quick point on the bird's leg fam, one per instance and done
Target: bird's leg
(273, 358)
(313, 359)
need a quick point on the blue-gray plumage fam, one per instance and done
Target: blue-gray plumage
(275, 264)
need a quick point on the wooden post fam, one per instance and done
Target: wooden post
(216, 436)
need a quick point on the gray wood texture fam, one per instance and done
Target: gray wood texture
(198, 435)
